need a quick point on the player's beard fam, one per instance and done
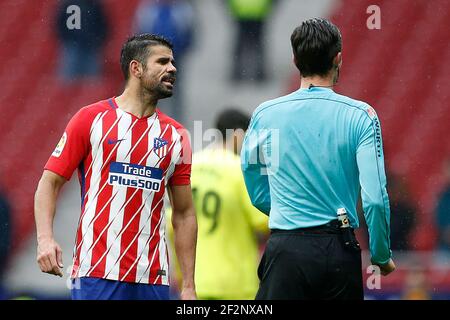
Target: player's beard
(156, 89)
(161, 91)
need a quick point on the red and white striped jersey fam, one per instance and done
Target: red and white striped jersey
(124, 164)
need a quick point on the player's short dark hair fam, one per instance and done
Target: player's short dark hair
(232, 119)
(315, 43)
(137, 48)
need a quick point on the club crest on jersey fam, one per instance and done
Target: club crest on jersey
(160, 147)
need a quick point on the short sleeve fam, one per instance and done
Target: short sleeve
(182, 171)
(72, 148)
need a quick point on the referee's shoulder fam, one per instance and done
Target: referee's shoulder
(358, 105)
(265, 107)
(351, 102)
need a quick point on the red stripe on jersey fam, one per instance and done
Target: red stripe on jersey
(87, 181)
(153, 246)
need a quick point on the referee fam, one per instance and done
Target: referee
(305, 158)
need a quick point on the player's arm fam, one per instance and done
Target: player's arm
(49, 253)
(372, 177)
(66, 157)
(184, 224)
(253, 169)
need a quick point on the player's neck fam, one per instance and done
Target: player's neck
(316, 81)
(136, 102)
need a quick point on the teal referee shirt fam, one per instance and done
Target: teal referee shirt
(309, 153)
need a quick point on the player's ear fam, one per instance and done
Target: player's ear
(136, 68)
(337, 61)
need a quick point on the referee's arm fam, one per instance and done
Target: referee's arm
(372, 177)
(254, 169)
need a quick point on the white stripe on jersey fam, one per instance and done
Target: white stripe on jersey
(176, 153)
(116, 220)
(98, 117)
(146, 272)
(99, 143)
(87, 231)
(162, 248)
(144, 221)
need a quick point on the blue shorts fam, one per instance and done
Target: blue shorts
(87, 288)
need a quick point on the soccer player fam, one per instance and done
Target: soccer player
(304, 159)
(127, 152)
(230, 229)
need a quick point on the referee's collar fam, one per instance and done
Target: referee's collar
(316, 89)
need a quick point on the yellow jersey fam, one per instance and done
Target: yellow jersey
(228, 226)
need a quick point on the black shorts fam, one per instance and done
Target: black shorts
(312, 263)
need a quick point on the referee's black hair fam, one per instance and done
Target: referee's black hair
(232, 119)
(315, 43)
(137, 48)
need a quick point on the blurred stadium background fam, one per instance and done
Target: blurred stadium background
(400, 69)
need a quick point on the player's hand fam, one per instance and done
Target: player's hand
(387, 267)
(49, 256)
(188, 294)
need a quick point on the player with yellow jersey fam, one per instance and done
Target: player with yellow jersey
(229, 227)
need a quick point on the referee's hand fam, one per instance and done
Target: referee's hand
(387, 267)
(49, 256)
